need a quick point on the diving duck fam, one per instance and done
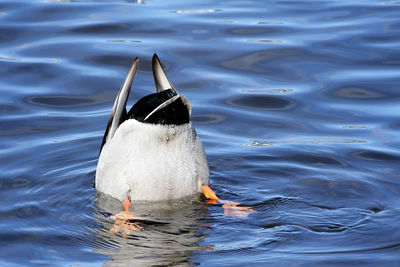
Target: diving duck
(152, 152)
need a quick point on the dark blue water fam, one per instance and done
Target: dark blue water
(296, 102)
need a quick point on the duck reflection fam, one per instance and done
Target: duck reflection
(170, 232)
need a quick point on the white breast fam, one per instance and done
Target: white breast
(152, 162)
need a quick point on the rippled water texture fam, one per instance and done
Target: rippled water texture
(297, 104)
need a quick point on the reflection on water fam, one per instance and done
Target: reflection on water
(295, 101)
(171, 233)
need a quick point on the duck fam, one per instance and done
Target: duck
(152, 152)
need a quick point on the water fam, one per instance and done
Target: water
(296, 103)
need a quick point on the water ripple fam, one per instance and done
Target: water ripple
(308, 141)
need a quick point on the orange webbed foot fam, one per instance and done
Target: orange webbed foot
(230, 208)
(123, 221)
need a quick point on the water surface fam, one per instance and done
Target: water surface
(296, 103)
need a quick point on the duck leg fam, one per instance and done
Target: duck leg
(230, 208)
(126, 204)
(209, 193)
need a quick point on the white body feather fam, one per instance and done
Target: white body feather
(152, 162)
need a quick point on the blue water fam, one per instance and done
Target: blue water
(296, 102)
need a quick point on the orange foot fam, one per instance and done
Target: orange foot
(123, 220)
(123, 223)
(230, 208)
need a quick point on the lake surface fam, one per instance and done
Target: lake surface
(296, 102)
